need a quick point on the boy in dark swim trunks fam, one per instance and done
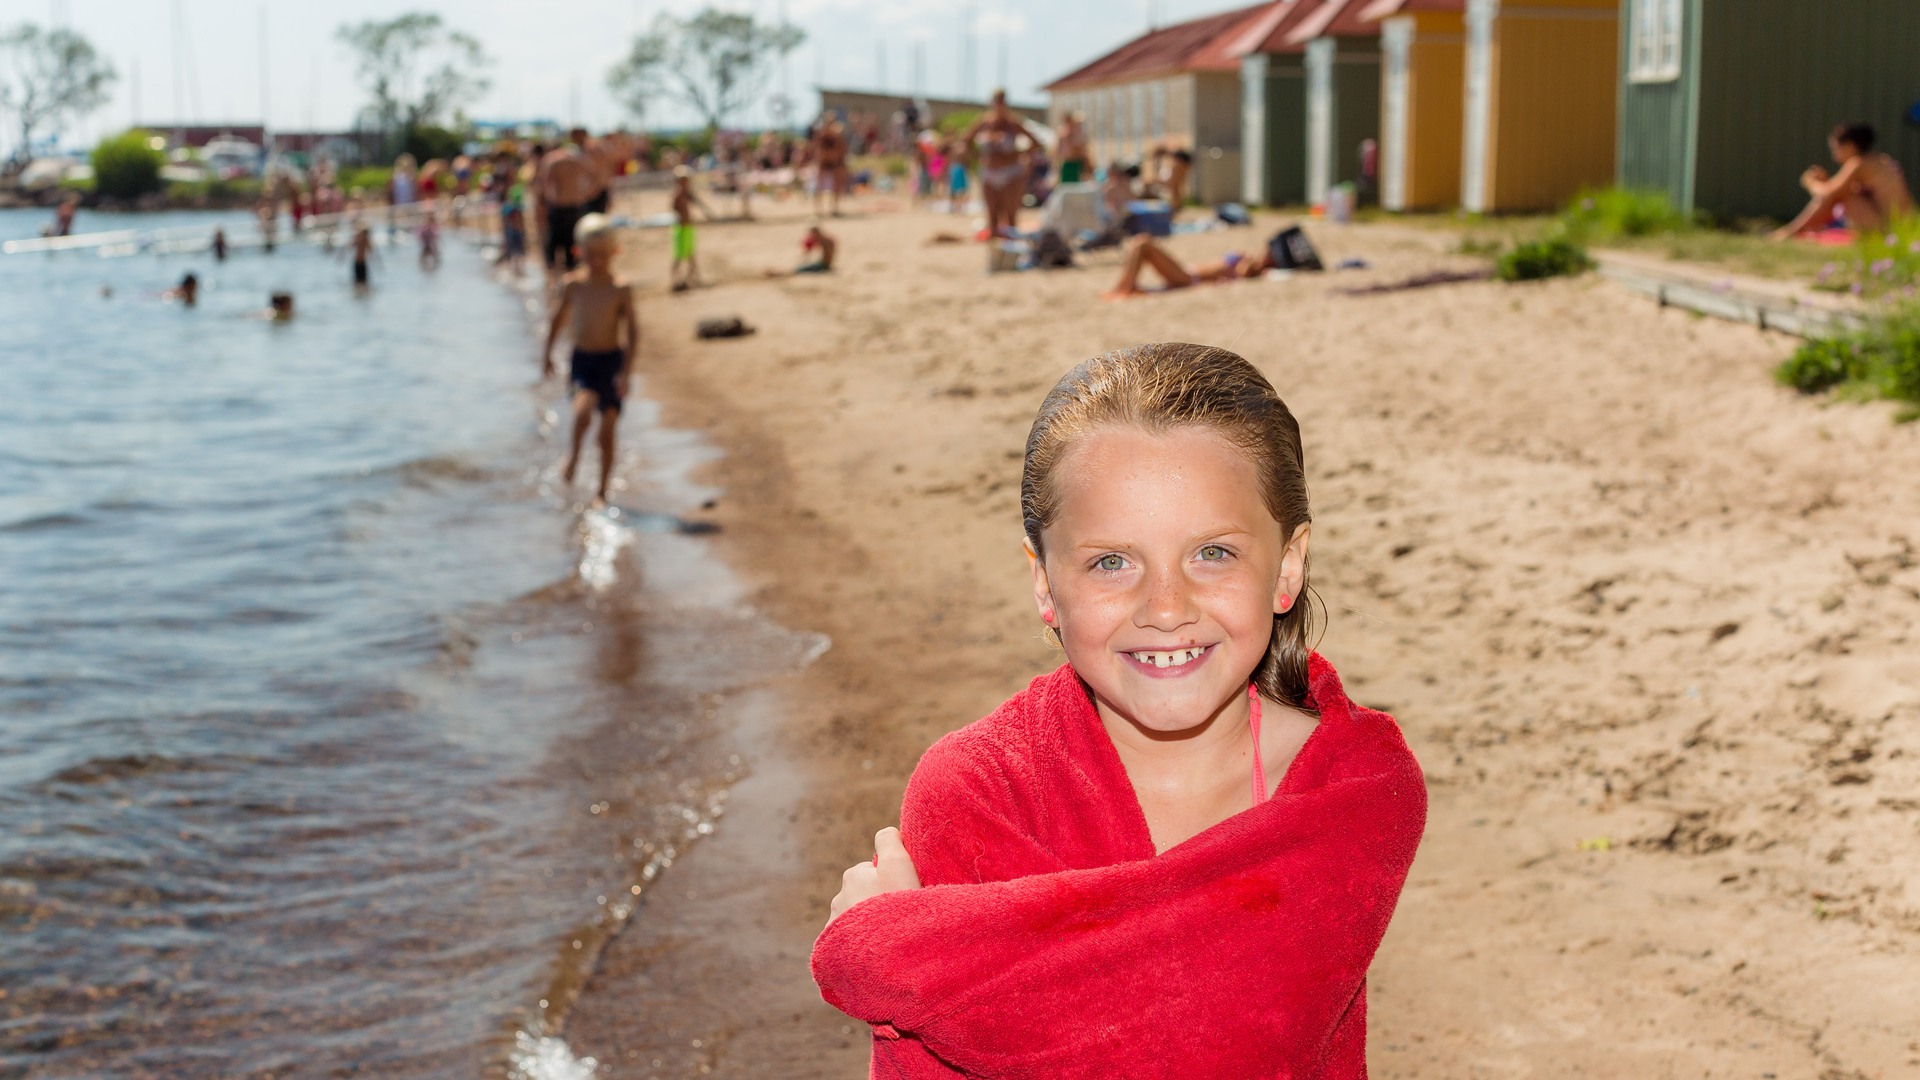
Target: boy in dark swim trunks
(606, 334)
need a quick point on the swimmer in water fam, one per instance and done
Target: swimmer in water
(187, 292)
(362, 251)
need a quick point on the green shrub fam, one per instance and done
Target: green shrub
(1821, 364)
(125, 166)
(371, 180)
(428, 141)
(1880, 360)
(1553, 257)
(1615, 212)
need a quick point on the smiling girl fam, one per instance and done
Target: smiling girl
(1175, 855)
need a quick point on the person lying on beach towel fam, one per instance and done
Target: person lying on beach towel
(1175, 855)
(1868, 192)
(1144, 254)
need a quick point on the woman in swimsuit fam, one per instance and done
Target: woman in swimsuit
(1870, 190)
(1003, 164)
(1143, 253)
(1076, 164)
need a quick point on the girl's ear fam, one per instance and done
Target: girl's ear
(1042, 594)
(1293, 571)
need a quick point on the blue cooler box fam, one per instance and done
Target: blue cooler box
(1150, 216)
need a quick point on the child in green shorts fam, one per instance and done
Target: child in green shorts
(684, 201)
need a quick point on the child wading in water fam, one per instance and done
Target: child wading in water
(1175, 855)
(606, 336)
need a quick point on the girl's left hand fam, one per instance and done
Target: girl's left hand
(891, 871)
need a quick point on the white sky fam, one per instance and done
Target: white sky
(550, 54)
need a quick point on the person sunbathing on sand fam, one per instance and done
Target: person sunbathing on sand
(1143, 254)
(1869, 191)
(1177, 854)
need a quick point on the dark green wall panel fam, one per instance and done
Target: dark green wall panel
(1655, 118)
(1776, 75)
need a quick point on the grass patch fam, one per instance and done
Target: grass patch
(1555, 256)
(1878, 264)
(1615, 213)
(370, 179)
(215, 190)
(1879, 361)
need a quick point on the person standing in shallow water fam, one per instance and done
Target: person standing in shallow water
(599, 309)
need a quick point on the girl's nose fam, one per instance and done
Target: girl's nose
(1166, 602)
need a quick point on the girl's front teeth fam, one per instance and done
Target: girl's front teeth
(1170, 659)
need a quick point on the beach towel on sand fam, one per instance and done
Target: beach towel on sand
(1048, 940)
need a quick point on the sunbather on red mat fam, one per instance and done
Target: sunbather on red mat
(1144, 254)
(1124, 871)
(1868, 192)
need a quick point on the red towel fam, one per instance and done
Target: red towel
(1050, 941)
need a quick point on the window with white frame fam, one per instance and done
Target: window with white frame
(1655, 40)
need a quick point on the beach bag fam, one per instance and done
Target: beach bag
(724, 327)
(1291, 250)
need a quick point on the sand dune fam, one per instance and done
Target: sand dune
(1644, 616)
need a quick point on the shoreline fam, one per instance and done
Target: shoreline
(1604, 878)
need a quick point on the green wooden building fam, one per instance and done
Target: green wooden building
(1273, 117)
(1723, 103)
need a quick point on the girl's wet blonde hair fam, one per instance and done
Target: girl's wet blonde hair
(1168, 385)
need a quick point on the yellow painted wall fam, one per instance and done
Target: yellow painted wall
(1436, 87)
(1555, 98)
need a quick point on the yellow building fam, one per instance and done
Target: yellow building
(1542, 89)
(1422, 110)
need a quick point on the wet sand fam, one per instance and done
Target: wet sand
(1644, 616)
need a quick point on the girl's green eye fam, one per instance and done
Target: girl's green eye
(1110, 563)
(1212, 553)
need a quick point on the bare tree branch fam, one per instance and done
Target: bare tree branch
(716, 63)
(51, 75)
(390, 56)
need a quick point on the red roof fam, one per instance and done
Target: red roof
(1381, 9)
(1195, 45)
(1336, 18)
(1268, 33)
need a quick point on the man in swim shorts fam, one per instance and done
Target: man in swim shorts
(566, 185)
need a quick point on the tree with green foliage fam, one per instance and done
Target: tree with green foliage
(127, 166)
(715, 63)
(416, 69)
(48, 76)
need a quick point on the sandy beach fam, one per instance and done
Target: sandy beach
(1644, 616)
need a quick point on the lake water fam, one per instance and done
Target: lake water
(334, 737)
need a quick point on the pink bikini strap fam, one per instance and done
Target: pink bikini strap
(1259, 770)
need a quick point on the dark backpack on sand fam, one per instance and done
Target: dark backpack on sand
(1291, 250)
(730, 326)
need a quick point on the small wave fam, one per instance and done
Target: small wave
(105, 769)
(44, 522)
(547, 1057)
(605, 538)
(429, 471)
